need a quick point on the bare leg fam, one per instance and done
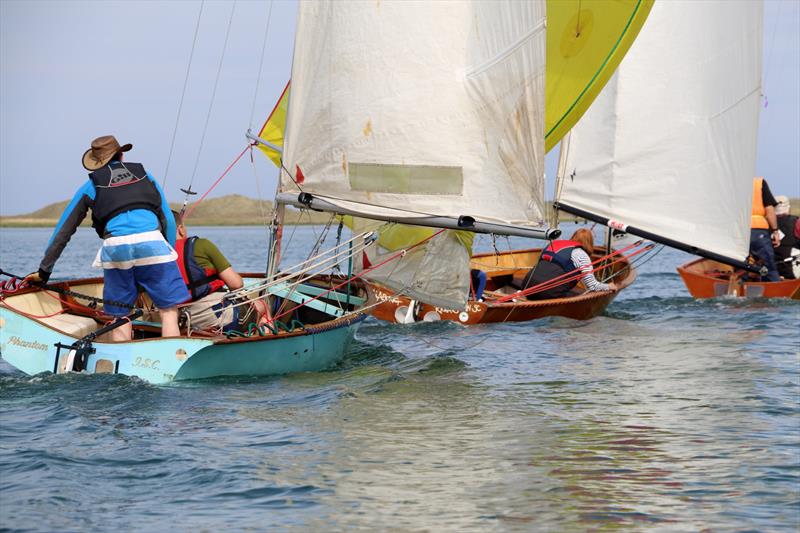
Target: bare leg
(169, 322)
(122, 333)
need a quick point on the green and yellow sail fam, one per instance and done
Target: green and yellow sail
(586, 40)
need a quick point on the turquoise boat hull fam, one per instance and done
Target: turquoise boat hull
(31, 344)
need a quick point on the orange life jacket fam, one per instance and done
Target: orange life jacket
(758, 219)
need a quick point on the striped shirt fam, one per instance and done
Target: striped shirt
(582, 261)
(139, 249)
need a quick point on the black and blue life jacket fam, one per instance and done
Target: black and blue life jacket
(123, 187)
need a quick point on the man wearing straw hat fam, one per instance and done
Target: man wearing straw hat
(132, 216)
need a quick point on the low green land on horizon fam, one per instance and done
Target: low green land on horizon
(231, 210)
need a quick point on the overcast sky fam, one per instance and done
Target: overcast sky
(71, 71)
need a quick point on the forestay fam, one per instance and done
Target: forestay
(669, 146)
(408, 109)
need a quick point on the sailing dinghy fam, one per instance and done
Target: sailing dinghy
(667, 152)
(472, 157)
(312, 317)
(52, 329)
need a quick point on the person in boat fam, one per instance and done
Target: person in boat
(206, 273)
(787, 254)
(131, 214)
(560, 259)
(478, 283)
(764, 235)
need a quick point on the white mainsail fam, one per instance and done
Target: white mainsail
(669, 146)
(406, 110)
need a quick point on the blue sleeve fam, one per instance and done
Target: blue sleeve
(70, 220)
(171, 229)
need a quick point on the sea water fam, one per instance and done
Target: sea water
(664, 414)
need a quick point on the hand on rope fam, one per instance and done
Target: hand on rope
(12, 285)
(66, 292)
(572, 275)
(40, 277)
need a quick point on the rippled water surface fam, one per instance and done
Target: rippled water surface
(664, 414)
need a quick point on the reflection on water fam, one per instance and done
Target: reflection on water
(666, 413)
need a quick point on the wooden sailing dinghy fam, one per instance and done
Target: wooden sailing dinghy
(40, 329)
(706, 278)
(500, 269)
(470, 160)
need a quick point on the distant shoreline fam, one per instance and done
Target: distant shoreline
(225, 211)
(33, 223)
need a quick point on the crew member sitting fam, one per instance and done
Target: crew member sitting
(563, 259)
(206, 272)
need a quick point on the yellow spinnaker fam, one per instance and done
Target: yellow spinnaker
(272, 130)
(586, 40)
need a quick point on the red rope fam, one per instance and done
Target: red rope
(29, 315)
(567, 276)
(194, 205)
(549, 284)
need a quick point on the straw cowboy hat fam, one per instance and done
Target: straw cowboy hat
(102, 150)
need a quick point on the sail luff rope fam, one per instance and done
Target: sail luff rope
(213, 95)
(183, 95)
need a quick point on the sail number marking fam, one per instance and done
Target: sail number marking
(143, 362)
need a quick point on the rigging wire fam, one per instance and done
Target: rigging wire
(260, 65)
(183, 94)
(213, 95)
(767, 63)
(261, 200)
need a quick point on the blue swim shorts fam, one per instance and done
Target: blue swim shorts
(162, 281)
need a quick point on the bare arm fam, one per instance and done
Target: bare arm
(772, 221)
(231, 278)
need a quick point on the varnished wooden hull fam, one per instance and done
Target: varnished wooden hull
(500, 268)
(709, 279)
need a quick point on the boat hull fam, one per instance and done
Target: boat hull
(32, 345)
(705, 278)
(500, 267)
